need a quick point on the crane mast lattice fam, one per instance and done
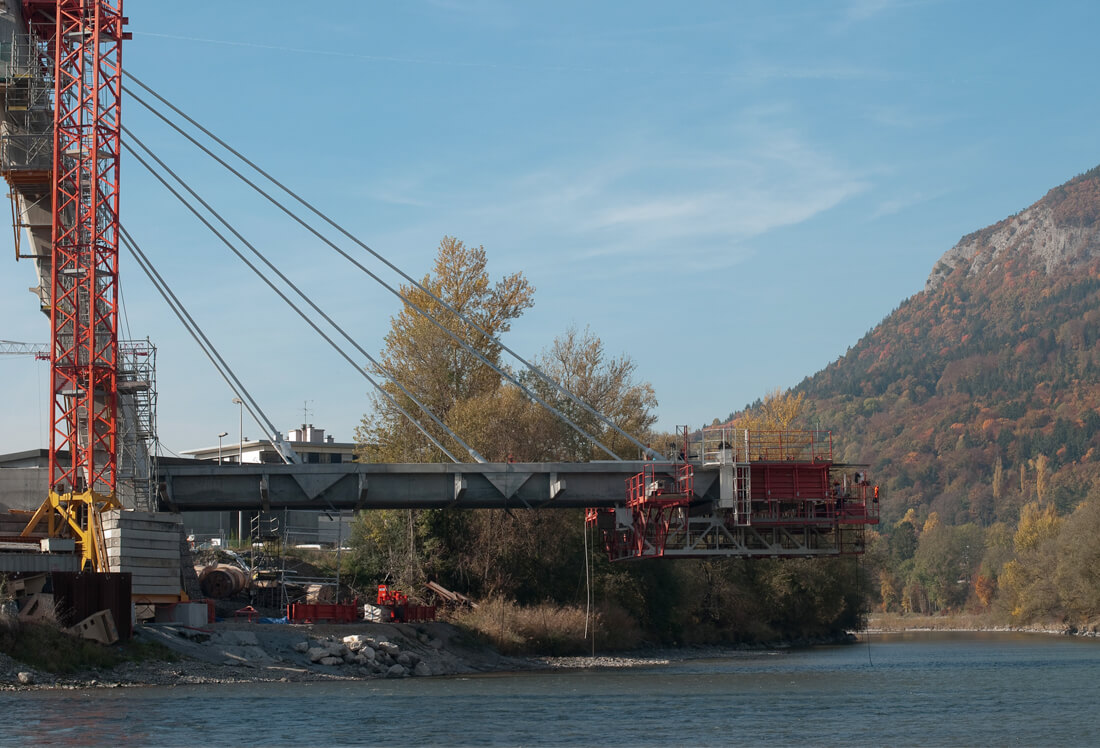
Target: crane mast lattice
(81, 41)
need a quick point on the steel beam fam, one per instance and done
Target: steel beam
(401, 486)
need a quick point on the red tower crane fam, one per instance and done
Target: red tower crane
(82, 41)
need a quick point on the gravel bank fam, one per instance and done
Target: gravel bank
(236, 652)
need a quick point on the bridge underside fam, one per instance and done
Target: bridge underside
(404, 486)
(790, 509)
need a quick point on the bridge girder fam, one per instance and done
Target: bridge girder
(404, 486)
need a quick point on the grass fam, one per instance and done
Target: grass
(545, 629)
(942, 622)
(44, 646)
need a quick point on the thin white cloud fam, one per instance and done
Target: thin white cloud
(894, 205)
(659, 199)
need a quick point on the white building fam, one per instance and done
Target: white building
(309, 442)
(297, 526)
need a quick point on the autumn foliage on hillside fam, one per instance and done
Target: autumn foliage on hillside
(976, 402)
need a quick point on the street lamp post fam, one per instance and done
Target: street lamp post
(240, 444)
(220, 437)
(240, 462)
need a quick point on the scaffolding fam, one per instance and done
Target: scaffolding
(26, 144)
(137, 443)
(277, 579)
(26, 150)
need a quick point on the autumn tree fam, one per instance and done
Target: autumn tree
(1028, 580)
(606, 384)
(1042, 476)
(432, 365)
(528, 556)
(1078, 568)
(946, 558)
(778, 411)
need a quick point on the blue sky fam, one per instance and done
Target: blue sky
(732, 193)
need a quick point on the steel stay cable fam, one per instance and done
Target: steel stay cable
(530, 393)
(389, 375)
(361, 370)
(200, 338)
(481, 357)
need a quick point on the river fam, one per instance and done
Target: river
(894, 689)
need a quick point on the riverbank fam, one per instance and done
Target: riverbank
(240, 652)
(893, 623)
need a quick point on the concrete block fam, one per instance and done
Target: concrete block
(135, 562)
(125, 525)
(168, 517)
(58, 545)
(122, 532)
(148, 548)
(27, 586)
(190, 614)
(40, 607)
(98, 627)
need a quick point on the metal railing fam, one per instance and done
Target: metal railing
(725, 445)
(658, 483)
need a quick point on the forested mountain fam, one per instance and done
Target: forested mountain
(980, 393)
(975, 402)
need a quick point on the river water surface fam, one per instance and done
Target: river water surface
(898, 689)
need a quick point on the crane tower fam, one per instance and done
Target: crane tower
(77, 46)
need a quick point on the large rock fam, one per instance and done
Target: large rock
(316, 653)
(332, 660)
(422, 669)
(336, 649)
(301, 647)
(356, 642)
(25, 678)
(396, 671)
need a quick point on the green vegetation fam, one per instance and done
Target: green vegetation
(45, 646)
(529, 566)
(1045, 570)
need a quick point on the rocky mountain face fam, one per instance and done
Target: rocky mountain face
(981, 392)
(1057, 233)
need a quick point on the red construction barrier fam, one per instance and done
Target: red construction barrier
(319, 612)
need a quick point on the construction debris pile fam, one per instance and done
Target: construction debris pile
(377, 655)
